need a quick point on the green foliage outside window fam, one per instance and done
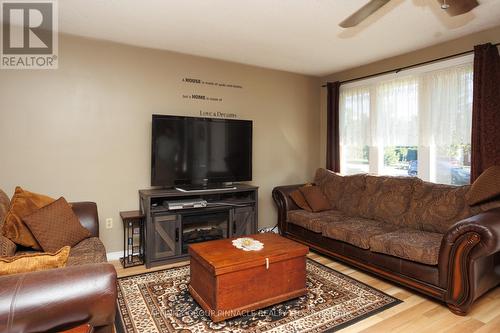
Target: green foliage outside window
(399, 155)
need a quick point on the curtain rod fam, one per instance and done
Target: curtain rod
(397, 70)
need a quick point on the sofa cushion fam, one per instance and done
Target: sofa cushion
(357, 231)
(331, 184)
(315, 198)
(436, 207)
(415, 245)
(314, 221)
(299, 200)
(56, 225)
(343, 192)
(386, 198)
(23, 203)
(4, 206)
(7, 247)
(484, 207)
(33, 262)
(88, 251)
(485, 187)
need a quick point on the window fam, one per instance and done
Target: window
(416, 123)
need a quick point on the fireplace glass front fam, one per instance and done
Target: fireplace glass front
(204, 227)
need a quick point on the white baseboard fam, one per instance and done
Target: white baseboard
(114, 255)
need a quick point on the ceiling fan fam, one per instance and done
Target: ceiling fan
(452, 7)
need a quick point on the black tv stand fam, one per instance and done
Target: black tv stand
(168, 233)
(207, 187)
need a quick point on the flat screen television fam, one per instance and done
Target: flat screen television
(200, 151)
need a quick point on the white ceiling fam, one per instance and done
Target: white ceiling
(299, 36)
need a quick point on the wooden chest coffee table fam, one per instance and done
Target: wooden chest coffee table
(229, 282)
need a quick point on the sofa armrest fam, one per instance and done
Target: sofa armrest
(58, 299)
(483, 228)
(87, 214)
(281, 197)
(467, 259)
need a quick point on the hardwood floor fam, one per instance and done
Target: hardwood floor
(416, 314)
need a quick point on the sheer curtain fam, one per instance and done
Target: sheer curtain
(397, 106)
(397, 124)
(354, 129)
(448, 97)
(418, 124)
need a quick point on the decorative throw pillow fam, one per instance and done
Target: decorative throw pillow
(7, 247)
(55, 226)
(485, 187)
(33, 262)
(300, 200)
(4, 206)
(315, 198)
(23, 203)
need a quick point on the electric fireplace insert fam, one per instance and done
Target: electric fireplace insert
(203, 227)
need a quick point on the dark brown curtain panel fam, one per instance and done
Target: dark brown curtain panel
(333, 127)
(485, 150)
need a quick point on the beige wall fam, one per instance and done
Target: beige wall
(459, 45)
(84, 131)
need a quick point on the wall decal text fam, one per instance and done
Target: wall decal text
(211, 83)
(217, 114)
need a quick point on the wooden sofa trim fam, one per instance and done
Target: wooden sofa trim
(459, 296)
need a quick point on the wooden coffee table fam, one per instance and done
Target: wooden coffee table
(229, 282)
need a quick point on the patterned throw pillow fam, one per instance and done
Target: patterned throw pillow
(55, 226)
(486, 186)
(34, 262)
(22, 204)
(7, 247)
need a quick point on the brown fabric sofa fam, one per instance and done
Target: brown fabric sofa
(419, 234)
(58, 299)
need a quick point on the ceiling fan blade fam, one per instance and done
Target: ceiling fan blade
(459, 7)
(362, 13)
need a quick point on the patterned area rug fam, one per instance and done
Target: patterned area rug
(160, 302)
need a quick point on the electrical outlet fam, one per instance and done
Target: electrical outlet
(109, 223)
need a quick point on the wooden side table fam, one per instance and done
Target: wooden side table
(133, 238)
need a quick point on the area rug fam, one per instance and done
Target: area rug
(160, 302)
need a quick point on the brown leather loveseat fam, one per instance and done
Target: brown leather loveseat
(84, 292)
(419, 234)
